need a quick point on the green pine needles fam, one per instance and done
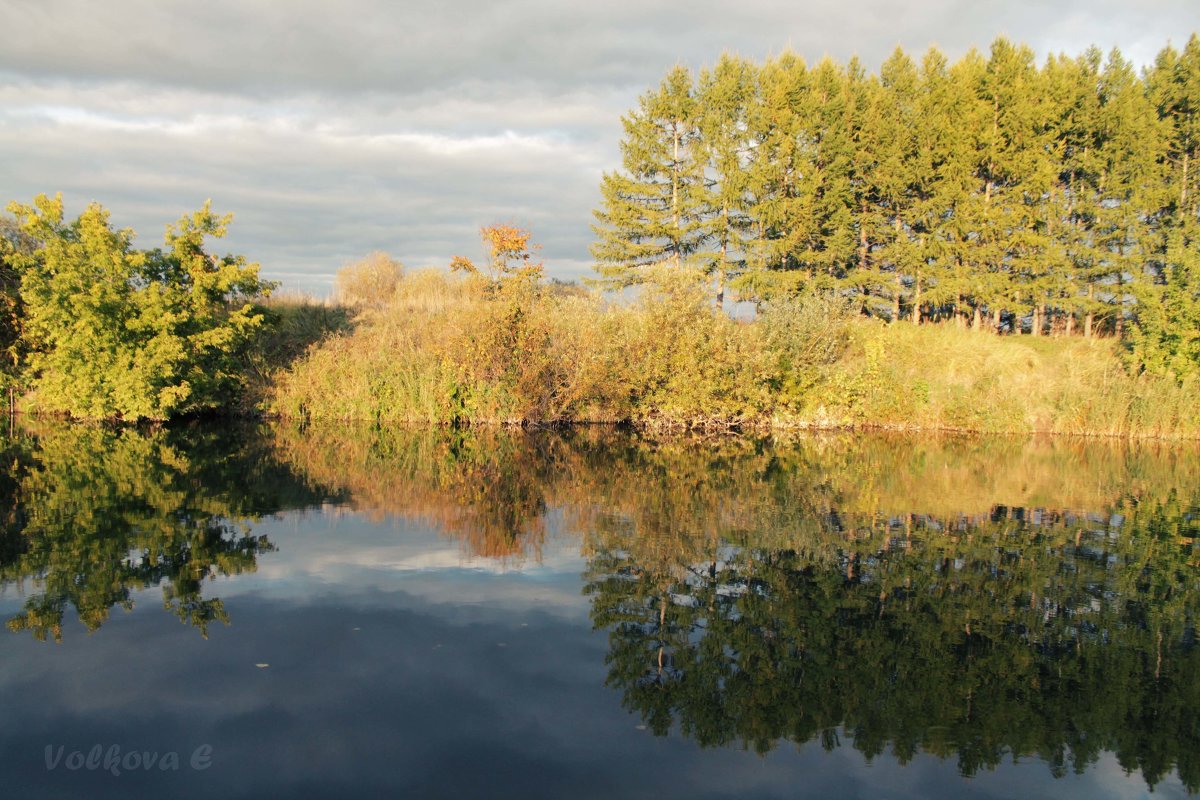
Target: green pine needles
(991, 192)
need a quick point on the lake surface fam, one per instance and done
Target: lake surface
(315, 612)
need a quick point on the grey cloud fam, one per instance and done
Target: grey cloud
(335, 129)
(307, 200)
(261, 48)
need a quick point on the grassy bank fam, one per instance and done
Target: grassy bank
(451, 349)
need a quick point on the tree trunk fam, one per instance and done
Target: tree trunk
(1090, 317)
(863, 248)
(896, 298)
(675, 195)
(724, 260)
(917, 299)
(1118, 325)
(917, 282)
(1183, 183)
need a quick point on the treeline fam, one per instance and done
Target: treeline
(93, 327)
(990, 191)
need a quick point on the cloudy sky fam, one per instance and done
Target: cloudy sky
(334, 129)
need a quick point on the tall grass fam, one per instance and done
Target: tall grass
(946, 377)
(296, 322)
(462, 349)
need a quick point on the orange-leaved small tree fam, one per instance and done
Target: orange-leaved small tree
(509, 254)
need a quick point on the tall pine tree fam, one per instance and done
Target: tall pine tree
(653, 209)
(725, 96)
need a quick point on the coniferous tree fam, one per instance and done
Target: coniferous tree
(896, 181)
(724, 97)
(1071, 84)
(1166, 336)
(1013, 175)
(1128, 180)
(780, 158)
(1041, 260)
(1059, 198)
(652, 209)
(973, 227)
(830, 252)
(946, 148)
(873, 136)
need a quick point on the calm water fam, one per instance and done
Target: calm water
(270, 611)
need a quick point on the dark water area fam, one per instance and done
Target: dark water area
(267, 610)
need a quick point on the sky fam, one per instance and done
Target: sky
(331, 130)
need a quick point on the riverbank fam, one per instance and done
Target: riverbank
(459, 350)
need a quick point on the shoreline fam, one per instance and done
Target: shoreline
(732, 428)
(770, 426)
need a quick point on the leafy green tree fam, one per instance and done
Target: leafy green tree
(14, 243)
(118, 332)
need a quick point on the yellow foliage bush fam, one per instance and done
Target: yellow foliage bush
(371, 280)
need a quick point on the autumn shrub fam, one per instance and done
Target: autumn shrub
(531, 354)
(433, 291)
(448, 348)
(464, 349)
(371, 280)
(804, 335)
(689, 363)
